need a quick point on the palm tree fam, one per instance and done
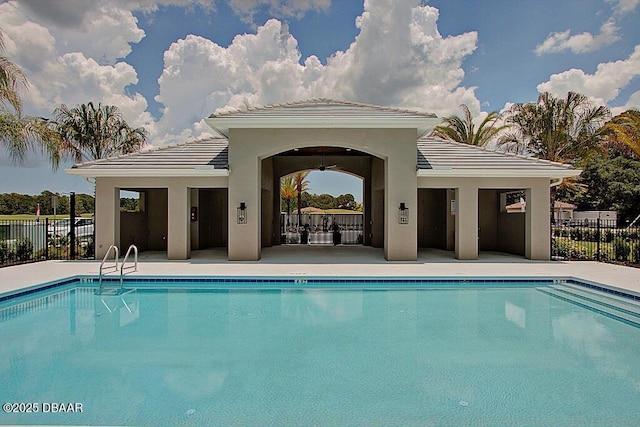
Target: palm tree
(288, 191)
(624, 128)
(12, 79)
(560, 130)
(13, 130)
(18, 133)
(462, 129)
(88, 132)
(301, 185)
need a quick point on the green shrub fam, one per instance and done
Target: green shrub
(576, 234)
(24, 249)
(608, 236)
(568, 250)
(89, 249)
(604, 256)
(621, 249)
(6, 254)
(636, 253)
(590, 235)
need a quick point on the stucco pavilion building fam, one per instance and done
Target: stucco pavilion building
(417, 191)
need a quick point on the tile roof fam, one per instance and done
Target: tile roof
(436, 154)
(206, 154)
(321, 107)
(322, 113)
(434, 158)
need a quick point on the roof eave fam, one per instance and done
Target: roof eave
(129, 173)
(497, 173)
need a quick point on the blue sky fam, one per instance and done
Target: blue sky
(168, 63)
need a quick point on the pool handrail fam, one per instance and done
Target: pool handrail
(124, 260)
(116, 258)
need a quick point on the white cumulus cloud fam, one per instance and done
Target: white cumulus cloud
(580, 43)
(399, 58)
(63, 67)
(100, 30)
(623, 7)
(602, 86)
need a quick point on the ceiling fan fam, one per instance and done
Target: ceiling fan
(322, 166)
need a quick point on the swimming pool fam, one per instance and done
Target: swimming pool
(317, 351)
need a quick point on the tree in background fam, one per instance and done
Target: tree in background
(20, 204)
(624, 129)
(302, 185)
(84, 204)
(346, 201)
(611, 179)
(560, 130)
(327, 201)
(608, 183)
(129, 204)
(88, 132)
(287, 191)
(462, 129)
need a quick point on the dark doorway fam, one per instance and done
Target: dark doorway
(212, 218)
(432, 218)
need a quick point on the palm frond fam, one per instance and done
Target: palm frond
(462, 129)
(92, 132)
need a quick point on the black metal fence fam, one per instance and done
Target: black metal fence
(595, 240)
(23, 241)
(322, 229)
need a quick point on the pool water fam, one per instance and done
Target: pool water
(264, 354)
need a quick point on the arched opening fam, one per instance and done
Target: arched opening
(328, 212)
(352, 223)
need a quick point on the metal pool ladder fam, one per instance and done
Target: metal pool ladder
(124, 261)
(115, 266)
(116, 258)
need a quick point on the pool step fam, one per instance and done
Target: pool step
(609, 304)
(108, 291)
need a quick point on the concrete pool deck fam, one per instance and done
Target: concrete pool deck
(332, 261)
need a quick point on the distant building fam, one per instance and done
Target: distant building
(580, 216)
(562, 211)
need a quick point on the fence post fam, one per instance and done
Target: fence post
(72, 225)
(46, 238)
(598, 240)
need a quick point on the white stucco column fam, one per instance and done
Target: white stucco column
(401, 240)
(107, 217)
(245, 174)
(179, 232)
(537, 221)
(467, 221)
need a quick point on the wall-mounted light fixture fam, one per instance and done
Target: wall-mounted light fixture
(242, 213)
(403, 214)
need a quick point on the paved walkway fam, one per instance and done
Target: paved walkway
(333, 261)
